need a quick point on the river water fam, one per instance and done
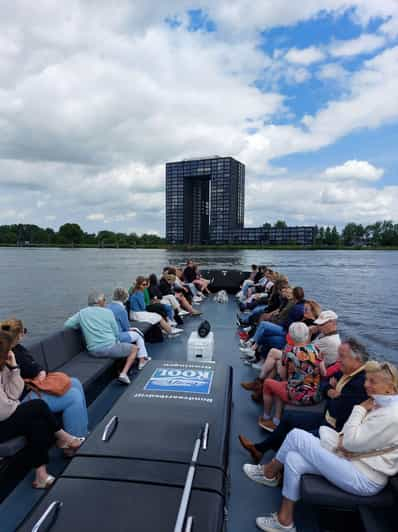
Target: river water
(44, 286)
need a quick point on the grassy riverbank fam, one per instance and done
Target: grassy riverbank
(222, 247)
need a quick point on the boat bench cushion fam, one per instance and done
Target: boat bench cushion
(378, 519)
(57, 351)
(316, 490)
(320, 407)
(86, 368)
(36, 350)
(11, 447)
(142, 326)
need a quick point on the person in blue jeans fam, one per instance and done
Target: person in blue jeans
(270, 334)
(72, 405)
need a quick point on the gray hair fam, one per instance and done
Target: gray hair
(358, 350)
(120, 294)
(94, 298)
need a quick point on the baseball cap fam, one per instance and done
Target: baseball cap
(325, 316)
(299, 332)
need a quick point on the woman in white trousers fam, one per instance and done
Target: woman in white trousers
(358, 460)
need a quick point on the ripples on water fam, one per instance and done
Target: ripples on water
(44, 286)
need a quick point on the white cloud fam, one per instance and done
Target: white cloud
(305, 56)
(94, 100)
(364, 44)
(314, 199)
(333, 72)
(95, 216)
(362, 170)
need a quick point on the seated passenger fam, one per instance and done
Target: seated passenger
(167, 287)
(274, 334)
(312, 310)
(302, 367)
(359, 460)
(72, 404)
(156, 296)
(327, 339)
(201, 283)
(165, 310)
(101, 333)
(32, 419)
(276, 323)
(138, 310)
(342, 395)
(126, 332)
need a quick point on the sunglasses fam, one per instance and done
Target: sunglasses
(7, 328)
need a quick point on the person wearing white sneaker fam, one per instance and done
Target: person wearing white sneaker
(174, 331)
(126, 333)
(359, 459)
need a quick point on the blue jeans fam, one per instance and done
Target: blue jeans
(267, 329)
(72, 405)
(246, 318)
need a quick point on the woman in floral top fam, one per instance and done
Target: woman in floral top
(302, 368)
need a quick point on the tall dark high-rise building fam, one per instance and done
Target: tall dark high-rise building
(205, 200)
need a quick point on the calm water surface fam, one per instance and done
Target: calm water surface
(44, 286)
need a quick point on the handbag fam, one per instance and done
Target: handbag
(330, 441)
(55, 383)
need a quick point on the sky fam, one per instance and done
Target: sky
(96, 96)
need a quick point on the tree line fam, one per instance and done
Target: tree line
(73, 235)
(379, 234)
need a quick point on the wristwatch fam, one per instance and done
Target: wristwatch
(12, 367)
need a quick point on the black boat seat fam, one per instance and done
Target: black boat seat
(86, 368)
(57, 351)
(378, 519)
(318, 491)
(11, 447)
(142, 326)
(320, 407)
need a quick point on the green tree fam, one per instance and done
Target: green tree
(71, 233)
(280, 224)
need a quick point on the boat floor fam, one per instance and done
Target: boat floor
(247, 500)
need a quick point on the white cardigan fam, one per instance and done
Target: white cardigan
(370, 431)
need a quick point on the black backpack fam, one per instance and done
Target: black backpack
(204, 329)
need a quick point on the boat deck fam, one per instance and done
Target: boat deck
(247, 499)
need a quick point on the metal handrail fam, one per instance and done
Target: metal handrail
(54, 506)
(110, 428)
(201, 441)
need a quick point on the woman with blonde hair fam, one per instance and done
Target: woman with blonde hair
(138, 310)
(72, 404)
(360, 459)
(32, 419)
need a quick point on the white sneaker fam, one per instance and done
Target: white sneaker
(124, 379)
(271, 523)
(197, 299)
(143, 362)
(256, 473)
(247, 349)
(172, 323)
(183, 312)
(174, 331)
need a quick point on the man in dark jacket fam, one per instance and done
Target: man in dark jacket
(342, 395)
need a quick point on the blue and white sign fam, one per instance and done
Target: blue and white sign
(180, 380)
